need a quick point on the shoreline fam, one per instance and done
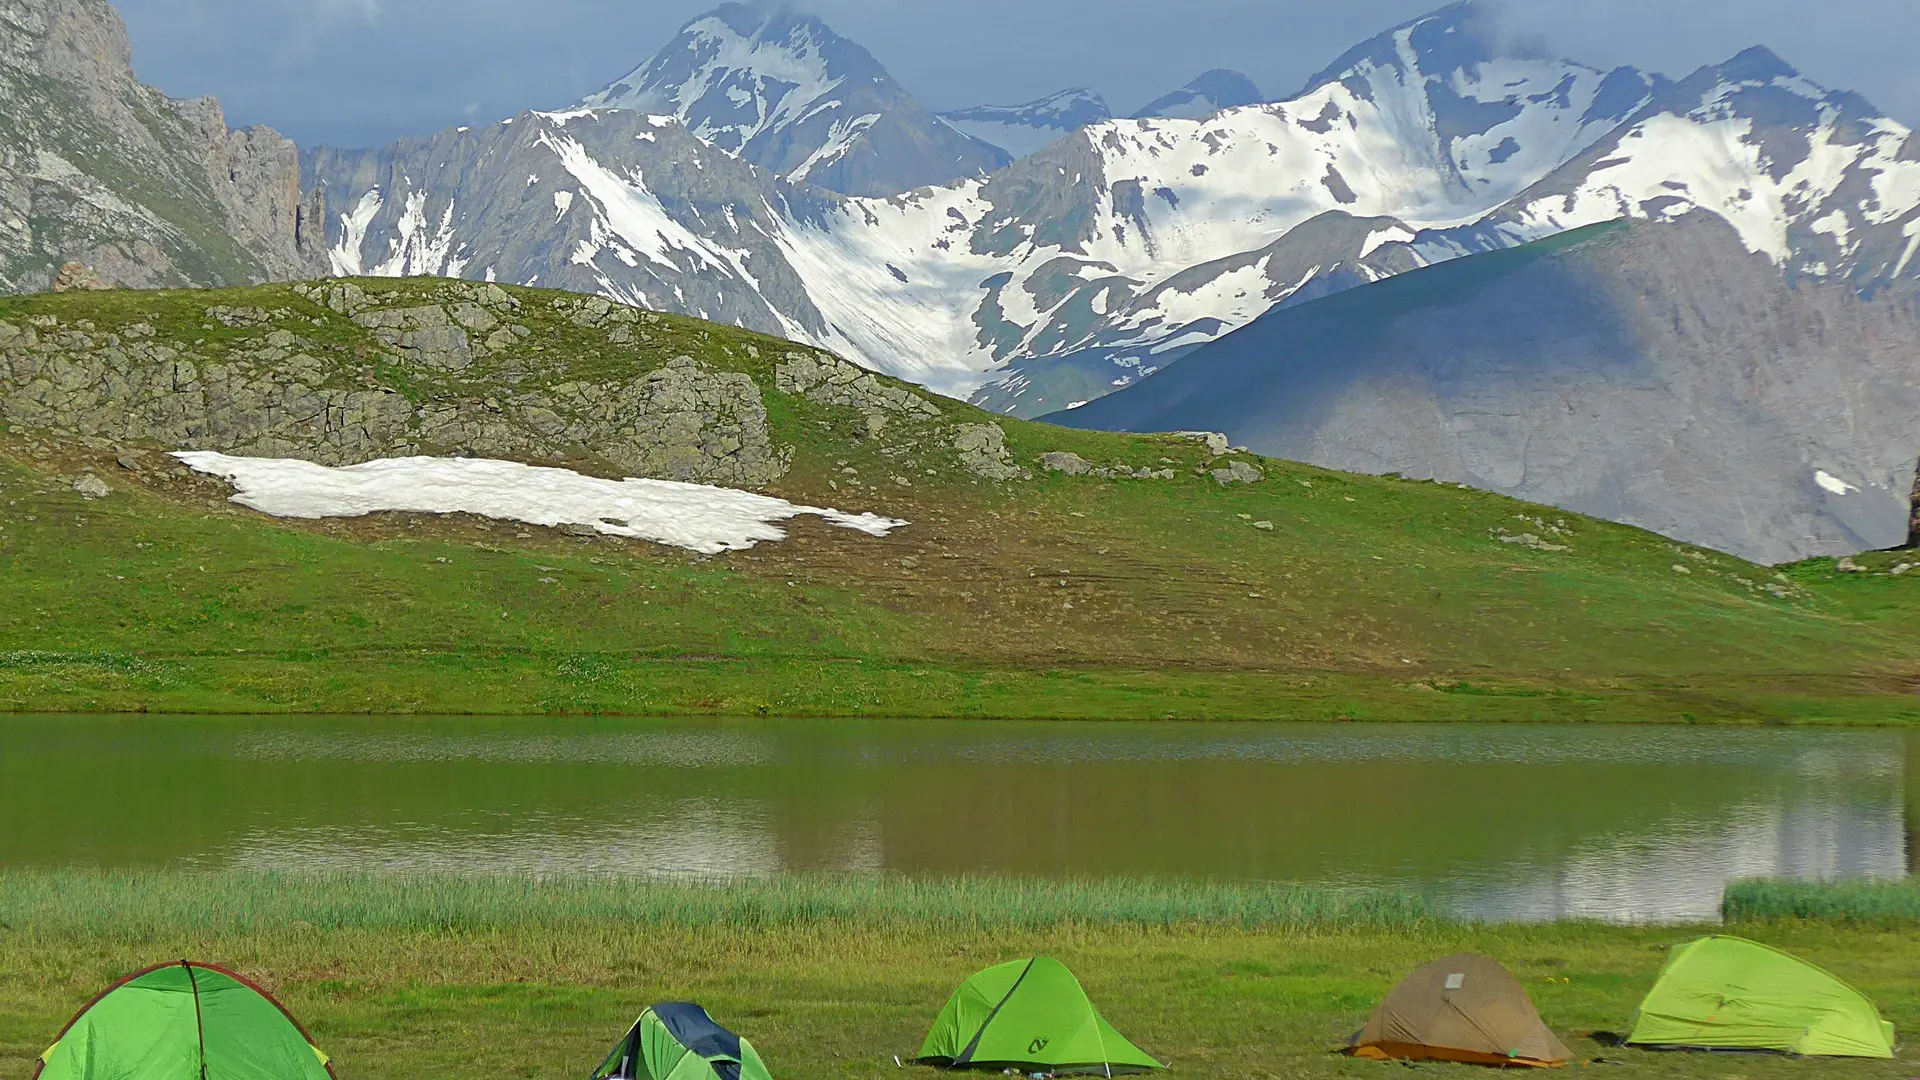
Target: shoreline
(828, 997)
(423, 683)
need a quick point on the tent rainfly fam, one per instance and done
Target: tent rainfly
(1029, 1015)
(677, 1040)
(183, 1021)
(1463, 1008)
(1728, 993)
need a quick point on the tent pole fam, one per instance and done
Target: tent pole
(199, 1024)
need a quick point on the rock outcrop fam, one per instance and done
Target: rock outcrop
(147, 191)
(1068, 463)
(832, 381)
(339, 376)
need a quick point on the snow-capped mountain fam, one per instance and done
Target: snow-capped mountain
(1211, 92)
(1114, 250)
(1816, 180)
(1020, 130)
(785, 92)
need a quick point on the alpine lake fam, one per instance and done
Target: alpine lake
(1507, 823)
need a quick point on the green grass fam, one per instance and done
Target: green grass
(1865, 901)
(267, 902)
(515, 991)
(1371, 598)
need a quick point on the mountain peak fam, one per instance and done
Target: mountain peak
(1211, 92)
(738, 68)
(1757, 65)
(1458, 37)
(782, 90)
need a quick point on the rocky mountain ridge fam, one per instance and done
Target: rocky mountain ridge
(1207, 94)
(99, 170)
(1020, 130)
(1659, 374)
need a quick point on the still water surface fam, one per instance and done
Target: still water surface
(1503, 822)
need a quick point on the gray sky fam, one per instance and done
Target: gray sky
(362, 72)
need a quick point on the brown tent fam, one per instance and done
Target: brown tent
(1463, 1008)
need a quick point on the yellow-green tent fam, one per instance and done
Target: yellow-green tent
(1029, 1015)
(1728, 993)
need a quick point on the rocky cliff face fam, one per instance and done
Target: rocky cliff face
(98, 169)
(1661, 375)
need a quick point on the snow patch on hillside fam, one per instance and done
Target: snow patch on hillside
(696, 517)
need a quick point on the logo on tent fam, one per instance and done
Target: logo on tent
(1037, 1045)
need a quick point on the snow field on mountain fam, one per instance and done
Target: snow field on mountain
(629, 221)
(696, 517)
(346, 257)
(1208, 189)
(1669, 165)
(420, 248)
(920, 329)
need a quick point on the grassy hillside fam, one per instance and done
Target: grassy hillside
(1060, 595)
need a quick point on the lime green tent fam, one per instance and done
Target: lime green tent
(677, 1040)
(183, 1021)
(1727, 993)
(1030, 1015)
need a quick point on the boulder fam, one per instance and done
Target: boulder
(1238, 472)
(982, 449)
(78, 277)
(1216, 443)
(1062, 461)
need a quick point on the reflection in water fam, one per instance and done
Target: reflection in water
(1679, 872)
(1500, 822)
(699, 840)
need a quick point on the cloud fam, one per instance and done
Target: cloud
(363, 10)
(360, 72)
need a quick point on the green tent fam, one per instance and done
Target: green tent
(677, 1040)
(1030, 1015)
(1727, 993)
(183, 1021)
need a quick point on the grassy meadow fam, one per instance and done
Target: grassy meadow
(416, 977)
(1311, 595)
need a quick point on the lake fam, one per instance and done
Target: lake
(1507, 822)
